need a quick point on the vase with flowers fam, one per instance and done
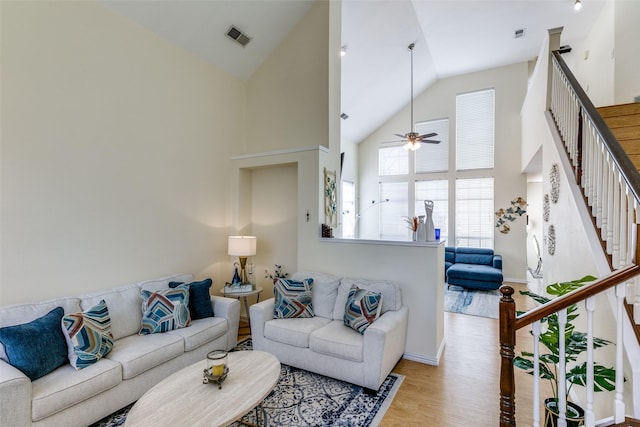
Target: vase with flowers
(278, 273)
(412, 223)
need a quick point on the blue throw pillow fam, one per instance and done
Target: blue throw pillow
(362, 309)
(293, 298)
(199, 298)
(37, 347)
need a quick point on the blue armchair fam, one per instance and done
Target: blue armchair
(473, 268)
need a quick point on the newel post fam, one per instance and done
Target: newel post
(507, 344)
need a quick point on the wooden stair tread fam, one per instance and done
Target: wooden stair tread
(626, 133)
(618, 110)
(615, 122)
(630, 146)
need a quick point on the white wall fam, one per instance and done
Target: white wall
(288, 102)
(606, 63)
(418, 270)
(535, 227)
(627, 51)
(593, 61)
(274, 220)
(114, 153)
(438, 101)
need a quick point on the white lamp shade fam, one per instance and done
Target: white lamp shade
(242, 246)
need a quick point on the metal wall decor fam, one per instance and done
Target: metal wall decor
(546, 207)
(551, 240)
(554, 181)
(330, 198)
(518, 208)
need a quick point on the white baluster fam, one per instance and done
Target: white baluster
(589, 417)
(619, 400)
(611, 205)
(536, 373)
(599, 183)
(562, 371)
(623, 225)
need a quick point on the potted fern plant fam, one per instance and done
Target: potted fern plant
(575, 344)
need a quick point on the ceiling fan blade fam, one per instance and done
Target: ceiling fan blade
(430, 141)
(428, 135)
(400, 136)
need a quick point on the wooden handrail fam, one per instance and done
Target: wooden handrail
(620, 158)
(509, 324)
(615, 278)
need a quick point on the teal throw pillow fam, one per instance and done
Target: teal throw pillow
(199, 298)
(293, 299)
(362, 308)
(88, 335)
(165, 310)
(37, 347)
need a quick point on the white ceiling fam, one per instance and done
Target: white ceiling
(452, 37)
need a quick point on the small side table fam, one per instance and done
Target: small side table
(244, 296)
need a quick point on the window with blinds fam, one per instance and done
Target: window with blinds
(433, 157)
(393, 160)
(474, 213)
(438, 191)
(392, 227)
(475, 122)
(348, 209)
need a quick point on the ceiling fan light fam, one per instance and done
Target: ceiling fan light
(416, 145)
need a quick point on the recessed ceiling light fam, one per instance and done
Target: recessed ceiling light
(577, 5)
(343, 50)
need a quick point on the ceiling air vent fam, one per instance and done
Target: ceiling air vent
(238, 36)
(519, 33)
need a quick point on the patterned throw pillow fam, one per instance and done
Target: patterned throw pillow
(362, 308)
(88, 335)
(199, 298)
(165, 310)
(37, 347)
(292, 299)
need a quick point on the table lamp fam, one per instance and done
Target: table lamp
(242, 247)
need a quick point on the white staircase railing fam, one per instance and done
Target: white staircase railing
(610, 185)
(609, 180)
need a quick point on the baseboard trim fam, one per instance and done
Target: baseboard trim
(508, 279)
(427, 360)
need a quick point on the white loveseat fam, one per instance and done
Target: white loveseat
(69, 397)
(323, 344)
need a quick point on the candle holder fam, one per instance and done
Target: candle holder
(216, 369)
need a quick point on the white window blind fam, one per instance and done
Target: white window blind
(348, 209)
(393, 160)
(392, 224)
(474, 213)
(438, 191)
(475, 120)
(433, 157)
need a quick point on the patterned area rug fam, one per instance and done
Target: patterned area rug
(301, 398)
(476, 303)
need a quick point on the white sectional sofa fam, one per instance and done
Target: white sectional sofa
(323, 344)
(69, 397)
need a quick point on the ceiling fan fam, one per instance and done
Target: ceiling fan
(413, 138)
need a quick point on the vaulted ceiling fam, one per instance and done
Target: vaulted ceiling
(452, 37)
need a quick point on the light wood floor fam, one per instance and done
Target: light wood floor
(464, 390)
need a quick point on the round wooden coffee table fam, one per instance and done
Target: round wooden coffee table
(182, 398)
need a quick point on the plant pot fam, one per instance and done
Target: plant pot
(575, 414)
